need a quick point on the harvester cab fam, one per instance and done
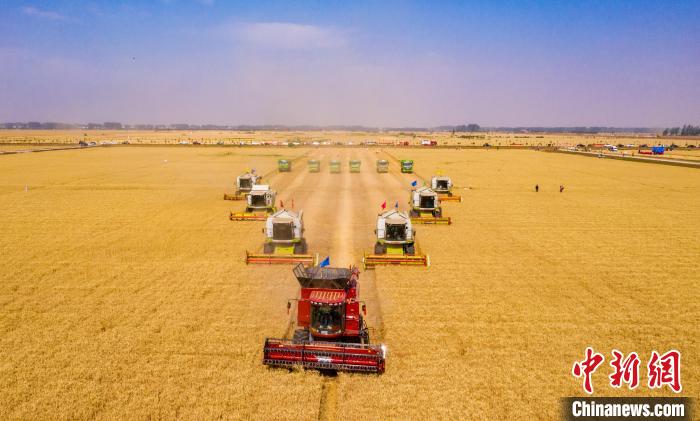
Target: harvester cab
(260, 203)
(355, 165)
(334, 166)
(284, 240)
(442, 185)
(331, 332)
(244, 184)
(314, 165)
(382, 165)
(406, 166)
(284, 165)
(395, 242)
(425, 207)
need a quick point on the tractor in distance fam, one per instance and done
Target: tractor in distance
(284, 165)
(331, 331)
(334, 166)
(382, 165)
(355, 165)
(407, 166)
(314, 165)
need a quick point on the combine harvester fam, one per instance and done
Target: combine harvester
(407, 166)
(425, 207)
(244, 184)
(442, 185)
(331, 333)
(396, 242)
(355, 165)
(314, 165)
(284, 165)
(334, 166)
(382, 165)
(284, 241)
(261, 203)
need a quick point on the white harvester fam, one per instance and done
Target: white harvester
(396, 242)
(442, 185)
(284, 240)
(244, 184)
(260, 204)
(425, 207)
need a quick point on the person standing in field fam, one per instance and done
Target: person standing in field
(561, 188)
(537, 188)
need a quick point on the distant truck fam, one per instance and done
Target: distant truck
(655, 150)
(284, 165)
(407, 166)
(611, 148)
(334, 166)
(382, 165)
(355, 165)
(427, 142)
(314, 165)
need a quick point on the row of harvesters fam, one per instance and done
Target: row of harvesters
(331, 332)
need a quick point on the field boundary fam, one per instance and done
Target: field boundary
(662, 161)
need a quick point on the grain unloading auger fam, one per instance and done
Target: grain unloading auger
(425, 208)
(244, 184)
(442, 185)
(396, 242)
(284, 241)
(331, 332)
(260, 203)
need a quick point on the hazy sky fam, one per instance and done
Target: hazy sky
(621, 63)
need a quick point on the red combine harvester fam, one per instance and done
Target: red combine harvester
(331, 333)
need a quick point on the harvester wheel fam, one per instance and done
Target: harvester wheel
(269, 248)
(300, 247)
(437, 213)
(300, 336)
(414, 213)
(410, 249)
(379, 248)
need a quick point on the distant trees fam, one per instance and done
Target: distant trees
(687, 130)
(468, 128)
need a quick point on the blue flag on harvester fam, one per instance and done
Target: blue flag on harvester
(414, 183)
(326, 262)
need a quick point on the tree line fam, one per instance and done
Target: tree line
(687, 130)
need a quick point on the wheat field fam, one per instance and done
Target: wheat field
(124, 294)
